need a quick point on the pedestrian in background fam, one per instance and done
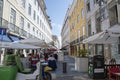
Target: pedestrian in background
(56, 55)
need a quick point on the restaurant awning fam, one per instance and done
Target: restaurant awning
(110, 36)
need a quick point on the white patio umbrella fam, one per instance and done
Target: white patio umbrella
(34, 42)
(17, 45)
(110, 36)
(5, 44)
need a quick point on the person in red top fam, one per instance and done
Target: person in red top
(34, 59)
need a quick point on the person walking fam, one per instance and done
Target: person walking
(56, 55)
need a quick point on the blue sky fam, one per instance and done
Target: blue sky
(56, 9)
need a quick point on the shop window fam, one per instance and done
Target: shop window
(99, 49)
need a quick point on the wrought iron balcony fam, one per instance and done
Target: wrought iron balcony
(78, 40)
(13, 29)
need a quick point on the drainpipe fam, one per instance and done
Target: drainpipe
(119, 44)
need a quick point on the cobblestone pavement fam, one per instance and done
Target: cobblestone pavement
(71, 74)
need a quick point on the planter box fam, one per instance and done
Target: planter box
(81, 64)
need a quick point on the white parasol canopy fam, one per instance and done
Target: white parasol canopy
(110, 36)
(16, 45)
(34, 42)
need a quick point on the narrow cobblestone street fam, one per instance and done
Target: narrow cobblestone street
(71, 73)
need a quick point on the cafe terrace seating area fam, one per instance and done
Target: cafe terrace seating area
(112, 70)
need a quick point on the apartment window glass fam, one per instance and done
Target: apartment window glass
(40, 23)
(89, 28)
(82, 12)
(78, 18)
(102, 14)
(1, 8)
(95, 1)
(28, 25)
(37, 19)
(29, 9)
(83, 30)
(23, 3)
(98, 23)
(21, 22)
(28, 28)
(78, 35)
(33, 31)
(35, 2)
(37, 32)
(113, 15)
(34, 15)
(88, 6)
(13, 16)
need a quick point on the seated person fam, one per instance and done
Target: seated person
(52, 62)
(34, 58)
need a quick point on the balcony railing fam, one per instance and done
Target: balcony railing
(78, 40)
(14, 30)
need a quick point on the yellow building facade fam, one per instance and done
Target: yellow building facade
(77, 26)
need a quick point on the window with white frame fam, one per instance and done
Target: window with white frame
(83, 31)
(96, 1)
(37, 32)
(23, 3)
(21, 25)
(1, 8)
(79, 35)
(33, 31)
(89, 28)
(78, 18)
(34, 15)
(13, 16)
(29, 9)
(88, 6)
(21, 22)
(40, 22)
(35, 2)
(28, 26)
(12, 19)
(38, 6)
(37, 19)
(82, 12)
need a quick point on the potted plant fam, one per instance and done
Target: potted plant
(81, 61)
(82, 53)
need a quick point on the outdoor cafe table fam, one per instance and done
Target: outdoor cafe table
(117, 76)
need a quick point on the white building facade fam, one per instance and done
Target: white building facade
(65, 33)
(25, 19)
(102, 15)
